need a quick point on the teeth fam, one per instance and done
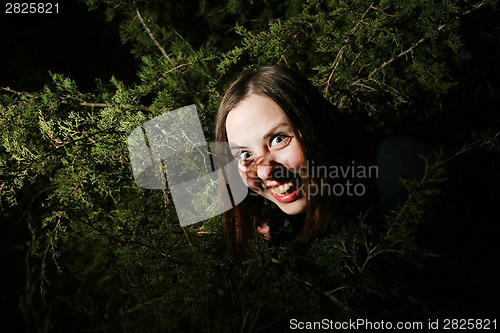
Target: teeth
(280, 190)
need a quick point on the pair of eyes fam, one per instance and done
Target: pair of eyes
(278, 141)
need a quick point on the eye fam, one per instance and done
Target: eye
(244, 156)
(280, 139)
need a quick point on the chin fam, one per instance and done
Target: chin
(291, 208)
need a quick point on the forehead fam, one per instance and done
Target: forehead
(252, 118)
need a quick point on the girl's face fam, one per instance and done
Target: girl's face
(270, 158)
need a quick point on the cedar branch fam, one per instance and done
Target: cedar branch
(162, 50)
(340, 54)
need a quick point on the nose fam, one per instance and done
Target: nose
(266, 166)
(264, 170)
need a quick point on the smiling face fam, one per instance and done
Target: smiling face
(270, 157)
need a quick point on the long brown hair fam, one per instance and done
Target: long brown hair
(320, 130)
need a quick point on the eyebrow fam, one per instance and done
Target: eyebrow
(269, 133)
(275, 129)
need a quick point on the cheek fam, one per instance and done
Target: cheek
(297, 161)
(243, 176)
(248, 177)
(293, 157)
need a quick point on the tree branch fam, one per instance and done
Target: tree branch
(340, 54)
(162, 50)
(97, 105)
(16, 92)
(421, 40)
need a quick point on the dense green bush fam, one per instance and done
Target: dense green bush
(106, 255)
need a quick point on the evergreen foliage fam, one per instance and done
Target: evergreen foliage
(106, 255)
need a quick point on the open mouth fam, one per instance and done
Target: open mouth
(285, 192)
(283, 189)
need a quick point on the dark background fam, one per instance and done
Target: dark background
(75, 42)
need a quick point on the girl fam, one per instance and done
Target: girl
(280, 129)
(299, 152)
